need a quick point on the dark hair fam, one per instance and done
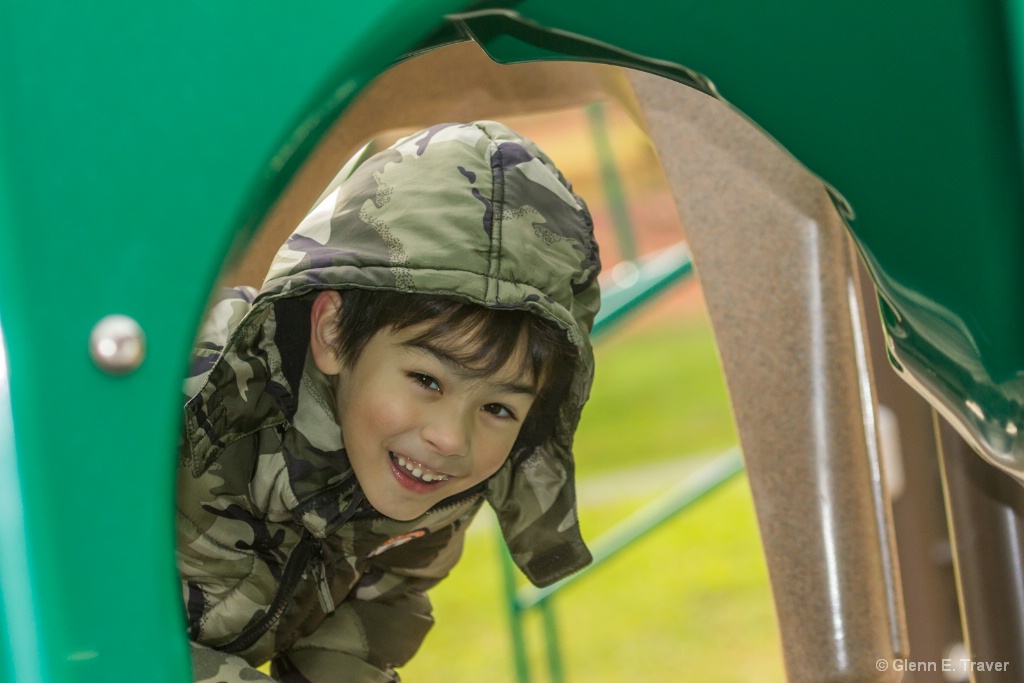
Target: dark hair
(487, 339)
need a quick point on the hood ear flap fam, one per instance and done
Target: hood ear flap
(534, 493)
(534, 498)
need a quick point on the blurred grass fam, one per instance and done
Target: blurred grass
(658, 394)
(690, 601)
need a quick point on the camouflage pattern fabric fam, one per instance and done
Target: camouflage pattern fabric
(211, 666)
(280, 556)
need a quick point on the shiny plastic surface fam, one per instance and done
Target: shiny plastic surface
(790, 341)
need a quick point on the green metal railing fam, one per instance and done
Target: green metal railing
(637, 283)
(522, 599)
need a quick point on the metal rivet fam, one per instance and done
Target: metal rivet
(117, 344)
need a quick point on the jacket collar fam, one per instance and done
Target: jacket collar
(265, 379)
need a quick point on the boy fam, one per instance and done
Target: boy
(419, 346)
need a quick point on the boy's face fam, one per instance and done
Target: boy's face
(417, 427)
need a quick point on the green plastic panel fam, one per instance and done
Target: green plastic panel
(140, 143)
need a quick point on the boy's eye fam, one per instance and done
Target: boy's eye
(426, 381)
(498, 410)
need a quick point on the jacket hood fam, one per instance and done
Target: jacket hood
(477, 213)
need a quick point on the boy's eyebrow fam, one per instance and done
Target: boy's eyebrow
(457, 367)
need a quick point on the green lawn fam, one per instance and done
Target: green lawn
(689, 602)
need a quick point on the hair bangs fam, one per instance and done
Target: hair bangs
(482, 341)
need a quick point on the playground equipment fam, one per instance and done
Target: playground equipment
(140, 145)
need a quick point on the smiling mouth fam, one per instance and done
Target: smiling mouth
(417, 470)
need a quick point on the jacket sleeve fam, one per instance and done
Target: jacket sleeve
(380, 625)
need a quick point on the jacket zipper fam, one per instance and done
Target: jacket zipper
(295, 568)
(323, 586)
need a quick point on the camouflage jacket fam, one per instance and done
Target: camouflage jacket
(279, 555)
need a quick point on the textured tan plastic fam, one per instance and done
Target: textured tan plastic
(454, 83)
(774, 260)
(986, 517)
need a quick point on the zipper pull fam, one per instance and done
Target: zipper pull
(323, 586)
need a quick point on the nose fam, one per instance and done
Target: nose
(447, 432)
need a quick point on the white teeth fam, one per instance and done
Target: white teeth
(419, 471)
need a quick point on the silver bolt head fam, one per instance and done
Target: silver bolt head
(117, 344)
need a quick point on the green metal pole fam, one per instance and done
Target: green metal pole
(554, 650)
(612, 183)
(515, 613)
